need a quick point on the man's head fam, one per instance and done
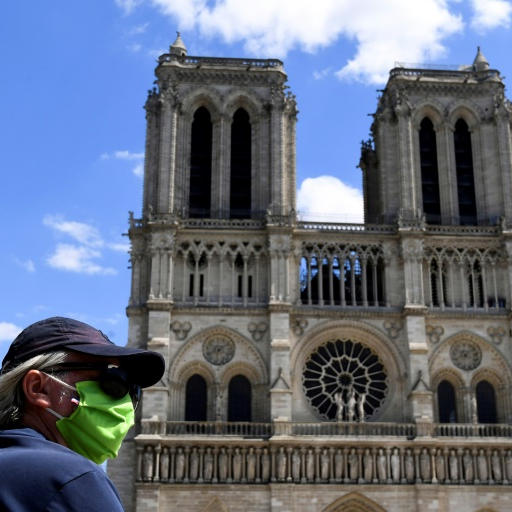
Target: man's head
(49, 358)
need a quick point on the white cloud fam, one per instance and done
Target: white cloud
(9, 331)
(80, 257)
(328, 199)
(138, 29)
(81, 232)
(119, 247)
(138, 158)
(128, 5)
(418, 28)
(77, 259)
(28, 265)
(489, 14)
(318, 75)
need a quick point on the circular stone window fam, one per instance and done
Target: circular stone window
(345, 380)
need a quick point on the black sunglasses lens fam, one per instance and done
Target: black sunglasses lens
(115, 383)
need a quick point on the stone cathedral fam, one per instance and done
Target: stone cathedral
(322, 367)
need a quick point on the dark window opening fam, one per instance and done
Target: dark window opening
(240, 186)
(486, 402)
(196, 399)
(249, 286)
(446, 402)
(191, 286)
(429, 172)
(239, 399)
(240, 286)
(201, 165)
(465, 178)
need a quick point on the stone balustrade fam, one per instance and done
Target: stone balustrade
(257, 461)
(344, 428)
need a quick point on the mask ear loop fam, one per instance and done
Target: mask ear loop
(73, 400)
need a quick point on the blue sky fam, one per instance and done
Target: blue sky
(75, 77)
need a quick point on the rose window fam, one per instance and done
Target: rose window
(345, 381)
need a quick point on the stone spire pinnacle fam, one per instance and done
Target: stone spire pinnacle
(178, 47)
(480, 63)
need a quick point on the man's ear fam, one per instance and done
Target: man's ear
(36, 388)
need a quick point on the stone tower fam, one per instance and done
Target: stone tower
(321, 366)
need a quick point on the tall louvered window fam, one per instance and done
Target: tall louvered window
(465, 177)
(429, 172)
(240, 186)
(201, 165)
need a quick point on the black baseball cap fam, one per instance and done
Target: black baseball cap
(144, 367)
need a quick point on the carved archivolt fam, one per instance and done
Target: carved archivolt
(466, 110)
(491, 375)
(192, 350)
(354, 502)
(193, 368)
(448, 374)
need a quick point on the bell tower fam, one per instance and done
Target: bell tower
(220, 138)
(441, 147)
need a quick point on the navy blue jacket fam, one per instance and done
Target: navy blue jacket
(39, 475)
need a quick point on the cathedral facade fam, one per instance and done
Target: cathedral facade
(315, 367)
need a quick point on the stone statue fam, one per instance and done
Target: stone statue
(164, 465)
(310, 465)
(440, 469)
(208, 465)
(496, 466)
(338, 465)
(324, 465)
(454, 466)
(194, 465)
(296, 465)
(368, 465)
(180, 464)
(218, 407)
(508, 465)
(265, 465)
(351, 405)
(250, 459)
(481, 462)
(338, 398)
(467, 460)
(223, 465)
(425, 465)
(395, 465)
(474, 409)
(381, 466)
(281, 464)
(147, 464)
(237, 465)
(360, 405)
(409, 465)
(353, 462)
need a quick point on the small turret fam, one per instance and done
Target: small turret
(178, 47)
(480, 63)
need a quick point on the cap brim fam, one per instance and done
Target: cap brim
(145, 368)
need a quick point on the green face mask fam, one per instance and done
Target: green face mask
(98, 425)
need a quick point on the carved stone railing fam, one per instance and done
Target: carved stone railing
(350, 228)
(472, 430)
(221, 62)
(344, 428)
(347, 461)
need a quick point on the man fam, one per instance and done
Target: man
(67, 400)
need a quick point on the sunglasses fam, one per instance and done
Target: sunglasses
(113, 380)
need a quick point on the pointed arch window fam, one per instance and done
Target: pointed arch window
(196, 398)
(240, 183)
(446, 402)
(201, 165)
(486, 402)
(429, 172)
(465, 176)
(239, 399)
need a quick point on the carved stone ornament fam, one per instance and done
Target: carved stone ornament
(466, 355)
(496, 334)
(218, 351)
(257, 330)
(434, 333)
(181, 329)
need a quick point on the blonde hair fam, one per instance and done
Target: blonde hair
(11, 391)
